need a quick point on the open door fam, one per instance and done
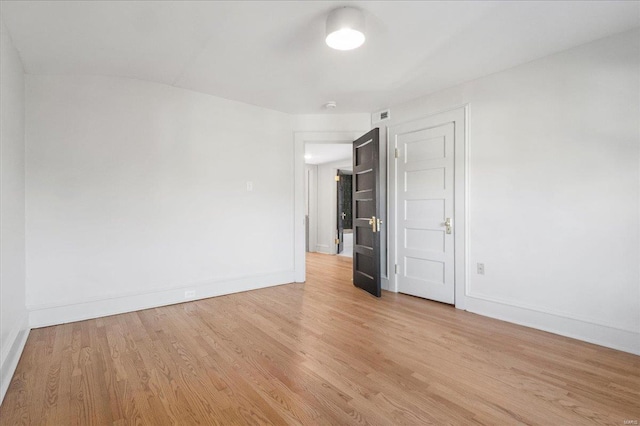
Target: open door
(366, 213)
(343, 206)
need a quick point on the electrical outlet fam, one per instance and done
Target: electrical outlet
(480, 268)
(189, 294)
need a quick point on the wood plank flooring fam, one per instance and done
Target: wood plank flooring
(319, 353)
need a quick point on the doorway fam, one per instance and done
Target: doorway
(301, 139)
(325, 164)
(328, 164)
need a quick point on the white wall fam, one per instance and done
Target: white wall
(327, 200)
(13, 314)
(331, 122)
(554, 190)
(137, 191)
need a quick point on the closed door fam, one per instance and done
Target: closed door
(366, 213)
(425, 209)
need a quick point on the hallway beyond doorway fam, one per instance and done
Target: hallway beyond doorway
(347, 250)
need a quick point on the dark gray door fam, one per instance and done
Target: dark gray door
(344, 206)
(366, 213)
(340, 210)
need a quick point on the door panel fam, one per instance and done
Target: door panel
(425, 191)
(366, 213)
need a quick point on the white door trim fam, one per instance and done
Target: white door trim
(299, 141)
(461, 199)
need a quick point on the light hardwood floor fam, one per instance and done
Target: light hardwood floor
(320, 353)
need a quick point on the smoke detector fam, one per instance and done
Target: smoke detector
(330, 105)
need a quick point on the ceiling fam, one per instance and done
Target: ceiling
(320, 153)
(273, 54)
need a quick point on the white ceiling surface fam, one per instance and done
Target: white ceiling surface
(320, 153)
(273, 54)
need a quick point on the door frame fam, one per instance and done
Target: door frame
(300, 139)
(460, 116)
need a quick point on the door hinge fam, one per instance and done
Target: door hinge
(396, 153)
(337, 240)
(396, 268)
(337, 178)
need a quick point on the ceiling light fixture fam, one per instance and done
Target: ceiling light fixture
(345, 28)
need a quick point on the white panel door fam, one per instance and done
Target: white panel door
(425, 209)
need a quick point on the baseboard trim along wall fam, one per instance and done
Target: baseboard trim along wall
(323, 248)
(11, 353)
(384, 283)
(602, 335)
(46, 315)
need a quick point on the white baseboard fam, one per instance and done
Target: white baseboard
(11, 353)
(384, 283)
(602, 335)
(46, 315)
(324, 249)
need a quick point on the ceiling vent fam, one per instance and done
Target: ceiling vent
(379, 116)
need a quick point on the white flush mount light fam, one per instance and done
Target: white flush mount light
(345, 28)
